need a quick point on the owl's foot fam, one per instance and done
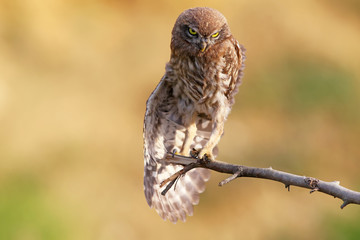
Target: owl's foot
(206, 153)
(194, 153)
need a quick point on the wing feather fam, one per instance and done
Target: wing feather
(164, 136)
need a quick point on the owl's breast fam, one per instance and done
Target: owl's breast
(202, 79)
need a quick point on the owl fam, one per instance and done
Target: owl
(188, 108)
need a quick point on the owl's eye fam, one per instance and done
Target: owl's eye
(215, 35)
(192, 32)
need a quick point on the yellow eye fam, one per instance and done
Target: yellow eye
(215, 35)
(192, 31)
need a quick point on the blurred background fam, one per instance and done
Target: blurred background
(74, 79)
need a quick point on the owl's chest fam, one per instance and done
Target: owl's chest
(202, 81)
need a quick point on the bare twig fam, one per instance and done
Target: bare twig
(232, 177)
(331, 188)
(172, 179)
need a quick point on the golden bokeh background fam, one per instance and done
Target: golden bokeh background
(74, 78)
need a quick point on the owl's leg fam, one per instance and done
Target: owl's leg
(189, 137)
(218, 129)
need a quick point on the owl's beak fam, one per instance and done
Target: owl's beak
(203, 45)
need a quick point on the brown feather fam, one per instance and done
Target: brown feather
(196, 83)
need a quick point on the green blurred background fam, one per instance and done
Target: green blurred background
(74, 78)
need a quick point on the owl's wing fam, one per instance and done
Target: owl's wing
(164, 132)
(241, 57)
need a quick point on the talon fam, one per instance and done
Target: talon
(173, 153)
(205, 158)
(194, 153)
(206, 155)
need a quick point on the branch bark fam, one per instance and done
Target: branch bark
(331, 188)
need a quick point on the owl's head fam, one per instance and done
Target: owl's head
(198, 29)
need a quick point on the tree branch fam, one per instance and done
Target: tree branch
(331, 188)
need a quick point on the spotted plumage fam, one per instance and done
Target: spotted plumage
(189, 107)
